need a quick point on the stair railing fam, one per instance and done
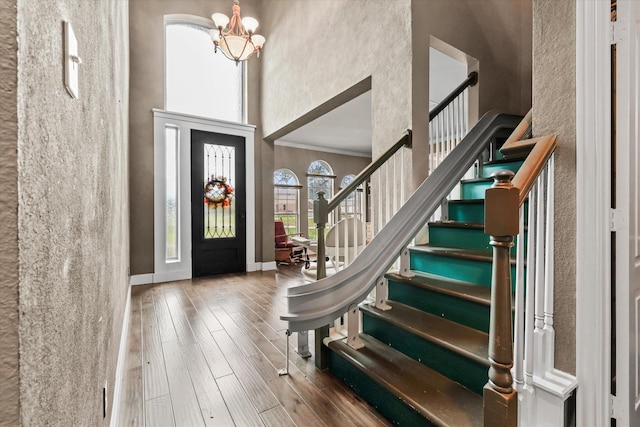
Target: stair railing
(534, 333)
(350, 211)
(316, 305)
(449, 122)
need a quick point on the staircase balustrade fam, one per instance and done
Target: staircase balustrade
(449, 122)
(349, 211)
(529, 357)
(319, 303)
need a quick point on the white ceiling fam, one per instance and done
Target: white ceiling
(347, 129)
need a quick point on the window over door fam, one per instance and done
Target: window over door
(198, 81)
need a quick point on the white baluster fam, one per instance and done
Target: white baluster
(538, 363)
(519, 331)
(549, 332)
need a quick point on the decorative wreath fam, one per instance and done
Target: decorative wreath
(217, 192)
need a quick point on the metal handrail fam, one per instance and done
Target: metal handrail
(470, 81)
(369, 170)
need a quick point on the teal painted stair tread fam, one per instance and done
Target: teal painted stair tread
(402, 389)
(458, 234)
(461, 302)
(468, 211)
(472, 211)
(491, 167)
(454, 350)
(475, 188)
(461, 235)
(470, 265)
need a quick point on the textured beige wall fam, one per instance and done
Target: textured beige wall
(298, 160)
(9, 343)
(319, 49)
(497, 33)
(147, 92)
(554, 112)
(73, 215)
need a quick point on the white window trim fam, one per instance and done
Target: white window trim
(165, 271)
(593, 127)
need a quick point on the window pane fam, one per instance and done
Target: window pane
(286, 208)
(219, 186)
(199, 81)
(286, 199)
(171, 199)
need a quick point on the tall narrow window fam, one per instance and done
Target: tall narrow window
(198, 81)
(319, 178)
(286, 196)
(172, 247)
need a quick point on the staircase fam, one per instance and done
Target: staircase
(425, 360)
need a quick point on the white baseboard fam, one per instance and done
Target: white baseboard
(544, 403)
(268, 266)
(141, 279)
(115, 403)
(145, 279)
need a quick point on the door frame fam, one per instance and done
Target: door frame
(593, 190)
(181, 268)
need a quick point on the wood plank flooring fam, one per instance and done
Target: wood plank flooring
(206, 352)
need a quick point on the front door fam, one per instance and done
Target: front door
(217, 203)
(626, 205)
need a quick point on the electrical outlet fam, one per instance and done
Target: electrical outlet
(104, 400)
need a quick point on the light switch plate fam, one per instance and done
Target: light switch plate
(72, 60)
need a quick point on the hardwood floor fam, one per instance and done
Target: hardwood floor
(206, 352)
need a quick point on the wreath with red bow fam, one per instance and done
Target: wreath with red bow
(218, 193)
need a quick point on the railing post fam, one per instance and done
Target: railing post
(501, 223)
(321, 217)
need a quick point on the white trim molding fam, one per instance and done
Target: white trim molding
(180, 268)
(122, 351)
(593, 184)
(302, 146)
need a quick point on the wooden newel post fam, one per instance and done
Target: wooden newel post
(321, 217)
(501, 223)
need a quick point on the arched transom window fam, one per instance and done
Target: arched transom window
(198, 81)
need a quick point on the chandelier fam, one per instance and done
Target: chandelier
(237, 41)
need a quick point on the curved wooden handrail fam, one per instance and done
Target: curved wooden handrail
(502, 205)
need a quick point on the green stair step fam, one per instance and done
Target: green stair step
(474, 188)
(469, 265)
(458, 234)
(472, 211)
(401, 389)
(456, 351)
(491, 167)
(461, 235)
(458, 301)
(467, 211)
